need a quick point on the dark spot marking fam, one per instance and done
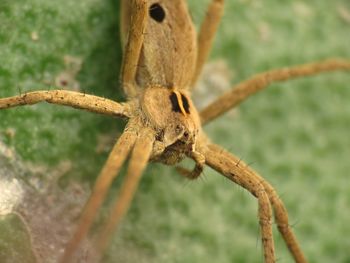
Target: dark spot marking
(174, 103)
(186, 134)
(160, 136)
(64, 82)
(185, 103)
(157, 12)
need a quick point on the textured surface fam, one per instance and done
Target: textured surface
(295, 134)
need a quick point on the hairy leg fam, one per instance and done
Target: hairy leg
(138, 162)
(246, 88)
(282, 221)
(69, 98)
(207, 34)
(198, 168)
(138, 20)
(110, 170)
(222, 161)
(125, 14)
(280, 211)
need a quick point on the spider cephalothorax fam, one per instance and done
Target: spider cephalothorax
(175, 120)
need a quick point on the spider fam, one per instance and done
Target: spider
(164, 125)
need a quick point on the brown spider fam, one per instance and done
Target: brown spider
(162, 61)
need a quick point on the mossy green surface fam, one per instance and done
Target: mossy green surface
(294, 134)
(15, 235)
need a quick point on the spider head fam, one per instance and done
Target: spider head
(174, 117)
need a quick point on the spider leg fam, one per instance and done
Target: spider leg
(198, 168)
(206, 35)
(109, 171)
(138, 162)
(228, 161)
(221, 161)
(71, 99)
(133, 46)
(246, 88)
(281, 218)
(125, 14)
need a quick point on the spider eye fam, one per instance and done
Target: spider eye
(157, 12)
(178, 129)
(160, 136)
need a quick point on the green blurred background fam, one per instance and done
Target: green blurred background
(295, 134)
